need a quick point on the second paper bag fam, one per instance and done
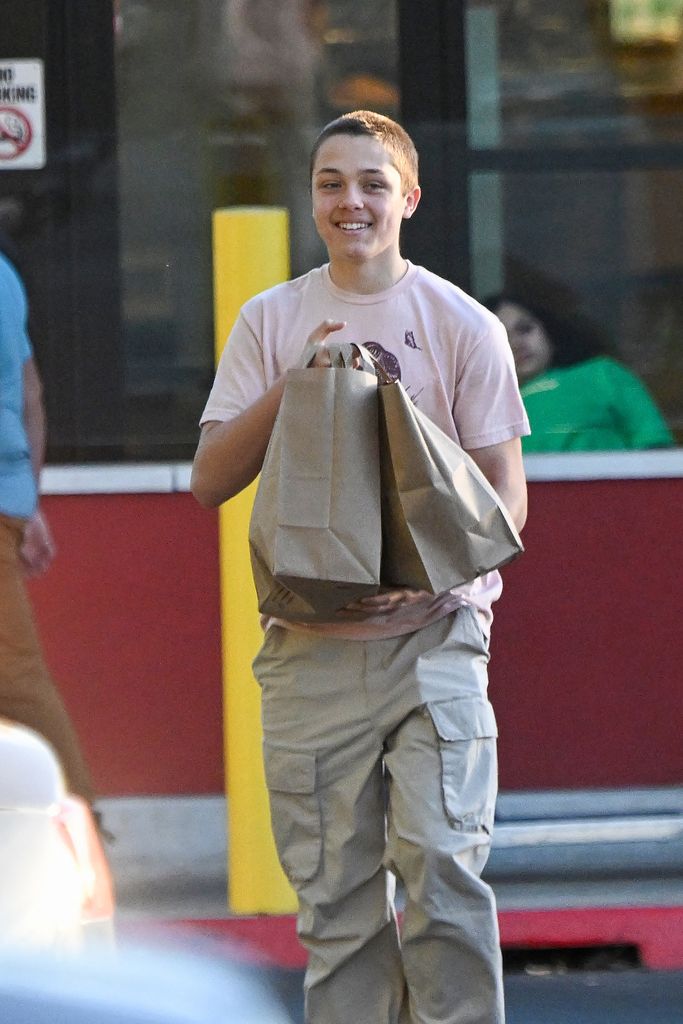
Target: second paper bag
(315, 531)
(443, 523)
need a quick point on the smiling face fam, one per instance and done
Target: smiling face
(359, 206)
(529, 341)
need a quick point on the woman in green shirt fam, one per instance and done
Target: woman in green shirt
(577, 397)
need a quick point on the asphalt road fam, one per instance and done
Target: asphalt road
(579, 997)
(624, 997)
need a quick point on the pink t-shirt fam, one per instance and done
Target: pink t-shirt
(451, 354)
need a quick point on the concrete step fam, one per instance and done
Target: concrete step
(613, 848)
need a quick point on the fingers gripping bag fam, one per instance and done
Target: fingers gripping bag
(315, 529)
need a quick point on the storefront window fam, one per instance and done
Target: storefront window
(551, 141)
(218, 103)
(575, 134)
(595, 73)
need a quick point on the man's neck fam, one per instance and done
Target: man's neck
(367, 278)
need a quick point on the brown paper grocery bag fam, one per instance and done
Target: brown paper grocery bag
(442, 522)
(315, 531)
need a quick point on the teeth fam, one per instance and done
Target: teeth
(355, 226)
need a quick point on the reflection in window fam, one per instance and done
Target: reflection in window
(218, 103)
(598, 240)
(568, 73)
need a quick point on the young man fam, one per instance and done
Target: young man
(379, 740)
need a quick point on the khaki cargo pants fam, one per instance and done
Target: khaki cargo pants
(380, 759)
(27, 692)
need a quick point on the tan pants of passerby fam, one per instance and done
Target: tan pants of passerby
(380, 759)
(27, 692)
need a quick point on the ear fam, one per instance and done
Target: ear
(412, 198)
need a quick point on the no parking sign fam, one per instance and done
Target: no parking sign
(22, 115)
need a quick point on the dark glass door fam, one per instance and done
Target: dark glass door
(63, 216)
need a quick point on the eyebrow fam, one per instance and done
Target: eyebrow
(335, 170)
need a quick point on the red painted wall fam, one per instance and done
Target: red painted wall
(129, 616)
(587, 643)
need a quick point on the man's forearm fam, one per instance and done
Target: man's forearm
(515, 501)
(34, 417)
(230, 455)
(503, 467)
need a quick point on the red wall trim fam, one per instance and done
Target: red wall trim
(656, 932)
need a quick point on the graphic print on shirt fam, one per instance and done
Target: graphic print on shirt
(387, 360)
(409, 340)
(391, 366)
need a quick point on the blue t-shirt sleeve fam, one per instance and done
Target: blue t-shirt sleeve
(17, 482)
(13, 314)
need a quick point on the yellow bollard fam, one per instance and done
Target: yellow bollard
(250, 253)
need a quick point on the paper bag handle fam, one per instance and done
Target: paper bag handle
(342, 355)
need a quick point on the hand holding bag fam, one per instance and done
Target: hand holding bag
(315, 531)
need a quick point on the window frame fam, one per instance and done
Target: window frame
(434, 102)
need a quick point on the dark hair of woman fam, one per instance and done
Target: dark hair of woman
(574, 338)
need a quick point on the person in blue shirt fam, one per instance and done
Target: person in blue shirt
(27, 692)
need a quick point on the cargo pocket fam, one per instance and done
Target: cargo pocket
(294, 810)
(466, 728)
